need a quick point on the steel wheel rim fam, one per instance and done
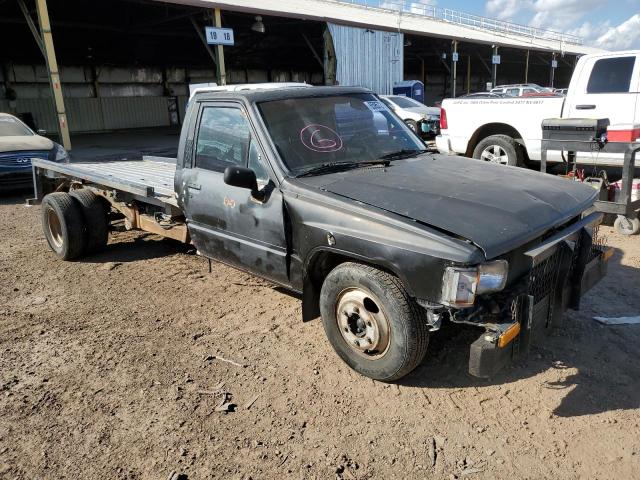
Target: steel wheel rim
(495, 154)
(55, 228)
(363, 323)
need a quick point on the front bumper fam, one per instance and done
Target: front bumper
(563, 268)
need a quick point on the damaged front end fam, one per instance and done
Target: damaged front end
(562, 268)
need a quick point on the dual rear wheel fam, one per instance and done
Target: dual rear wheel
(75, 224)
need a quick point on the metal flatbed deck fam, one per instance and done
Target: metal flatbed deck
(150, 178)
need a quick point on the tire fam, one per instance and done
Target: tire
(390, 339)
(501, 149)
(413, 125)
(63, 225)
(94, 213)
(626, 226)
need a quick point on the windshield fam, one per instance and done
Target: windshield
(12, 127)
(406, 102)
(341, 129)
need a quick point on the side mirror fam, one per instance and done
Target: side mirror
(41, 132)
(241, 177)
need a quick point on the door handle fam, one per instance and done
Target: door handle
(193, 186)
(585, 107)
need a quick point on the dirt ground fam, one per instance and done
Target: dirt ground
(115, 366)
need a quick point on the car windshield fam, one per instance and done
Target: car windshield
(12, 127)
(405, 102)
(350, 129)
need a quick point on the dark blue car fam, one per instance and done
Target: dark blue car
(18, 145)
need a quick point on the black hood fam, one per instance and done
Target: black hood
(498, 208)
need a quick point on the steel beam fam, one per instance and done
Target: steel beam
(32, 27)
(54, 74)
(202, 38)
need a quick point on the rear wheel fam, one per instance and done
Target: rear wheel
(63, 225)
(94, 212)
(500, 149)
(372, 323)
(412, 124)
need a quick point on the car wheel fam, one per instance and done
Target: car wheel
(94, 213)
(63, 225)
(626, 226)
(500, 149)
(371, 322)
(412, 124)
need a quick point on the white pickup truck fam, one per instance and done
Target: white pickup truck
(508, 130)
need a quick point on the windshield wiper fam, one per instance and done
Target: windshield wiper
(404, 153)
(338, 166)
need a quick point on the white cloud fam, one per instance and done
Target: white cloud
(565, 16)
(623, 37)
(560, 14)
(506, 9)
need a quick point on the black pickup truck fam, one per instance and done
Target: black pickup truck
(326, 192)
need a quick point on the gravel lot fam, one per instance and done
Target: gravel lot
(116, 366)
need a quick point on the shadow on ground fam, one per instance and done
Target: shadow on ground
(602, 371)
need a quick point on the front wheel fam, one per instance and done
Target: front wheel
(371, 322)
(500, 149)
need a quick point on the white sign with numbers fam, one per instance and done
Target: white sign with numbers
(554, 64)
(495, 59)
(219, 36)
(454, 56)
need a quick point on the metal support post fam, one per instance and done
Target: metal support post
(468, 74)
(220, 68)
(454, 67)
(494, 69)
(54, 75)
(553, 69)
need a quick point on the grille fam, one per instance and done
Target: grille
(17, 159)
(544, 276)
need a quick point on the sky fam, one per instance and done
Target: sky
(607, 24)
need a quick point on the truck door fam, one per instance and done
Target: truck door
(607, 87)
(225, 222)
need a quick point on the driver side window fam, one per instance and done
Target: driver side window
(223, 139)
(255, 163)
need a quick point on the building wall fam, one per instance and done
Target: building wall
(113, 98)
(367, 58)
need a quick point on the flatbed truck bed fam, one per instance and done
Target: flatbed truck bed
(150, 178)
(141, 190)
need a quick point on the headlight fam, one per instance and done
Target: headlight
(60, 155)
(461, 285)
